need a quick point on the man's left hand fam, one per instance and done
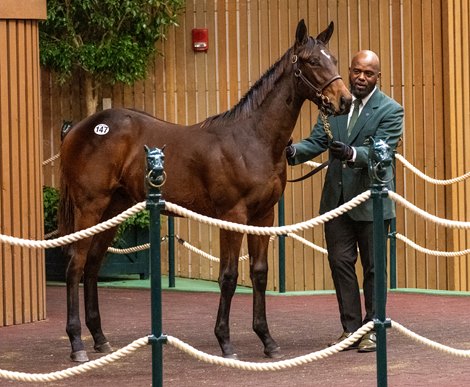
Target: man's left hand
(341, 151)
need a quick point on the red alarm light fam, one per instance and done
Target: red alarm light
(200, 39)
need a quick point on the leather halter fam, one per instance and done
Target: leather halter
(318, 90)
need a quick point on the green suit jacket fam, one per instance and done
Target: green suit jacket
(381, 118)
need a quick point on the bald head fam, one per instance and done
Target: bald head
(364, 73)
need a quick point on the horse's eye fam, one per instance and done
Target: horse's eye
(314, 61)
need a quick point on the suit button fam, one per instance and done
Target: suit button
(340, 183)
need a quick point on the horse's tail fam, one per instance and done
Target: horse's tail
(66, 213)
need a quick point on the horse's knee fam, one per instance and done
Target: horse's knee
(259, 273)
(228, 281)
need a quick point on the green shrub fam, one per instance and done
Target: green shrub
(51, 206)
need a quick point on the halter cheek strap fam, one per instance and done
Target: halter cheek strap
(318, 90)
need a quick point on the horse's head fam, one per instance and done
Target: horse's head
(380, 159)
(316, 71)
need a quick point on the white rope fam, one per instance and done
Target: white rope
(77, 370)
(129, 250)
(113, 222)
(280, 230)
(440, 221)
(208, 256)
(308, 243)
(431, 252)
(45, 162)
(412, 168)
(270, 366)
(51, 234)
(430, 343)
(232, 363)
(204, 254)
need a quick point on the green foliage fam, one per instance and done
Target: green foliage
(140, 220)
(113, 40)
(51, 204)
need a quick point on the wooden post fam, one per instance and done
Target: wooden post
(22, 278)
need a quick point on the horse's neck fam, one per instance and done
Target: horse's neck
(277, 115)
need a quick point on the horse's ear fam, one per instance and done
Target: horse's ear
(146, 149)
(301, 35)
(326, 35)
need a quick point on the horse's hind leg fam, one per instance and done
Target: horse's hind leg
(78, 253)
(118, 203)
(230, 243)
(258, 250)
(90, 287)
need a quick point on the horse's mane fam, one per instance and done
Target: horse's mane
(255, 95)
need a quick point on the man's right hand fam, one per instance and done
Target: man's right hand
(290, 149)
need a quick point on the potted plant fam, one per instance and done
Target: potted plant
(131, 233)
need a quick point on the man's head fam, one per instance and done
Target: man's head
(364, 73)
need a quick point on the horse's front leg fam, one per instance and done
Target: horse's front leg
(230, 244)
(258, 250)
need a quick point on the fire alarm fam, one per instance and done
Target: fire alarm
(200, 39)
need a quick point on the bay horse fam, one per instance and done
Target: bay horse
(231, 166)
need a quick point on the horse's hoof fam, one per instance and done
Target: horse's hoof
(104, 348)
(274, 353)
(233, 356)
(79, 356)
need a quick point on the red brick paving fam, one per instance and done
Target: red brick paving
(300, 324)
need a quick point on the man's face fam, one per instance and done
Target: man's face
(363, 76)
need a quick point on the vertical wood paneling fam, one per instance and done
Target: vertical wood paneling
(22, 280)
(424, 51)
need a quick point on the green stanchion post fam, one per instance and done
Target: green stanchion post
(393, 253)
(379, 159)
(171, 252)
(155, 203)
(282, 247)
(393, 243)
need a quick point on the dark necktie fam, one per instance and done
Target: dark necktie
(354, 116)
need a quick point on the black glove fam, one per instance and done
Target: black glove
(290, 150)
(341, 151)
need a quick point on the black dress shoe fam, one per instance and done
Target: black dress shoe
(368, 342)
(344, 336)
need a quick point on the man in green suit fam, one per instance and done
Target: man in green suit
(373, 114)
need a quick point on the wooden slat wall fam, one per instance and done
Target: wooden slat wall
(456, 18)
(22, 277)
(423, 46)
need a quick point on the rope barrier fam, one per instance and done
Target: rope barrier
(77, 370)
(129, 250)
(221, 361)
(431, 252)
(271, 366)
(440, 221)
(280, 230)
(203, 253)
(113, 222)
(55, 157)
(415, 170)
(308, 243)
(430, 343)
